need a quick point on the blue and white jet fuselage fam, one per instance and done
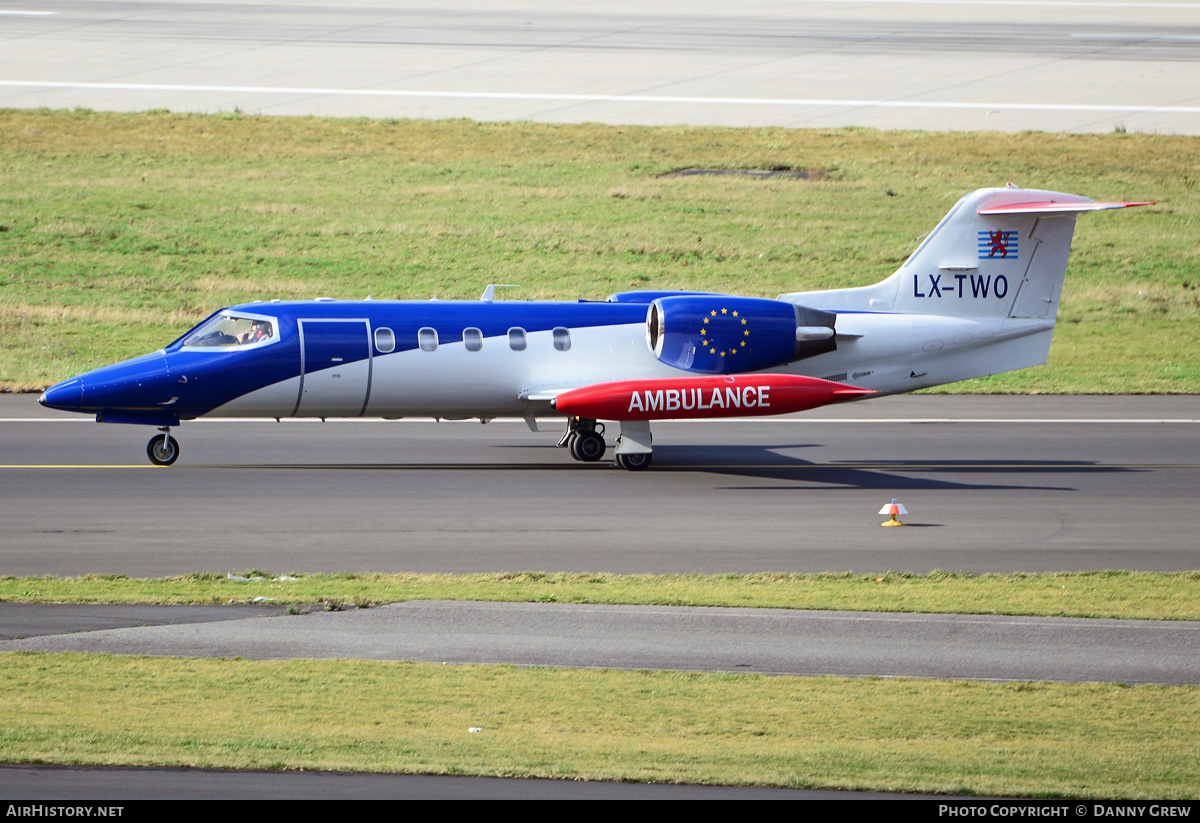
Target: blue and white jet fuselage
(979, 296)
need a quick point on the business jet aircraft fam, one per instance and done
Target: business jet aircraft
(977, 297)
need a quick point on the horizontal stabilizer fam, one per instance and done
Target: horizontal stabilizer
(1056, 208)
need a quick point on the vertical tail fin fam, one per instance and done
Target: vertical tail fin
(998, 253)
(979, 295)
(983, 261)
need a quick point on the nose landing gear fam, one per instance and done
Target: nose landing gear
(634, 462)
(163, 449)
(634, 450)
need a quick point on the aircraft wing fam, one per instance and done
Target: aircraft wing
(544, 395)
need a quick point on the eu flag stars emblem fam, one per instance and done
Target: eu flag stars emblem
(724, 332)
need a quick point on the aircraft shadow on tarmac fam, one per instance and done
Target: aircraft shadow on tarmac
(766, 462)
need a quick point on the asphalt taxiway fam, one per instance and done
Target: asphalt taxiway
(748, 641)
(92, 784)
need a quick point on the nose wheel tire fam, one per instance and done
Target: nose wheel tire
(588, 447)
(163, 449)
(634, 462)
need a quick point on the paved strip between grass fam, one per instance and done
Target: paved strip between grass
(764, 641)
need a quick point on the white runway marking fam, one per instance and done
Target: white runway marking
(1137, 37)
(1048, 3)
(17, 13)
(604, 98)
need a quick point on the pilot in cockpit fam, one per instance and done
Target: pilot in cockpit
(258, 331)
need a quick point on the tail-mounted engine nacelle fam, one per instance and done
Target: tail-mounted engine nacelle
(719, 334)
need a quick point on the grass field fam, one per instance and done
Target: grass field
(119, 231)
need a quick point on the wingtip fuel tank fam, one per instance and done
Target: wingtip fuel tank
(731, 395)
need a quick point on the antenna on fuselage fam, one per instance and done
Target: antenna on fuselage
(489, 294)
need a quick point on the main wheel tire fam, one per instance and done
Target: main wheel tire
(572, 439)
(634, 462)
(163, 450)
(588, 447)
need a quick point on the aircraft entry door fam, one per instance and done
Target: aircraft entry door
(335, 368)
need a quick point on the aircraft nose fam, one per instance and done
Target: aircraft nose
(66, 396)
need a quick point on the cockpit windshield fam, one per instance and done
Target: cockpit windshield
(232, 330)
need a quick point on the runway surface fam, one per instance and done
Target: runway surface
(1007, 65)
(993, 484)
(747, 641)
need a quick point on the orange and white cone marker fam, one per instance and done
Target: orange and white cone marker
(893, 509)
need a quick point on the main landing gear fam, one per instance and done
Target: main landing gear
(163, 449)
(584, 439)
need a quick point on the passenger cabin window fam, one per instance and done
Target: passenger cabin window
(228, 330)
(473, 339)
(516, 339)
(385, 340)
(428, 339)
(562, 339)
